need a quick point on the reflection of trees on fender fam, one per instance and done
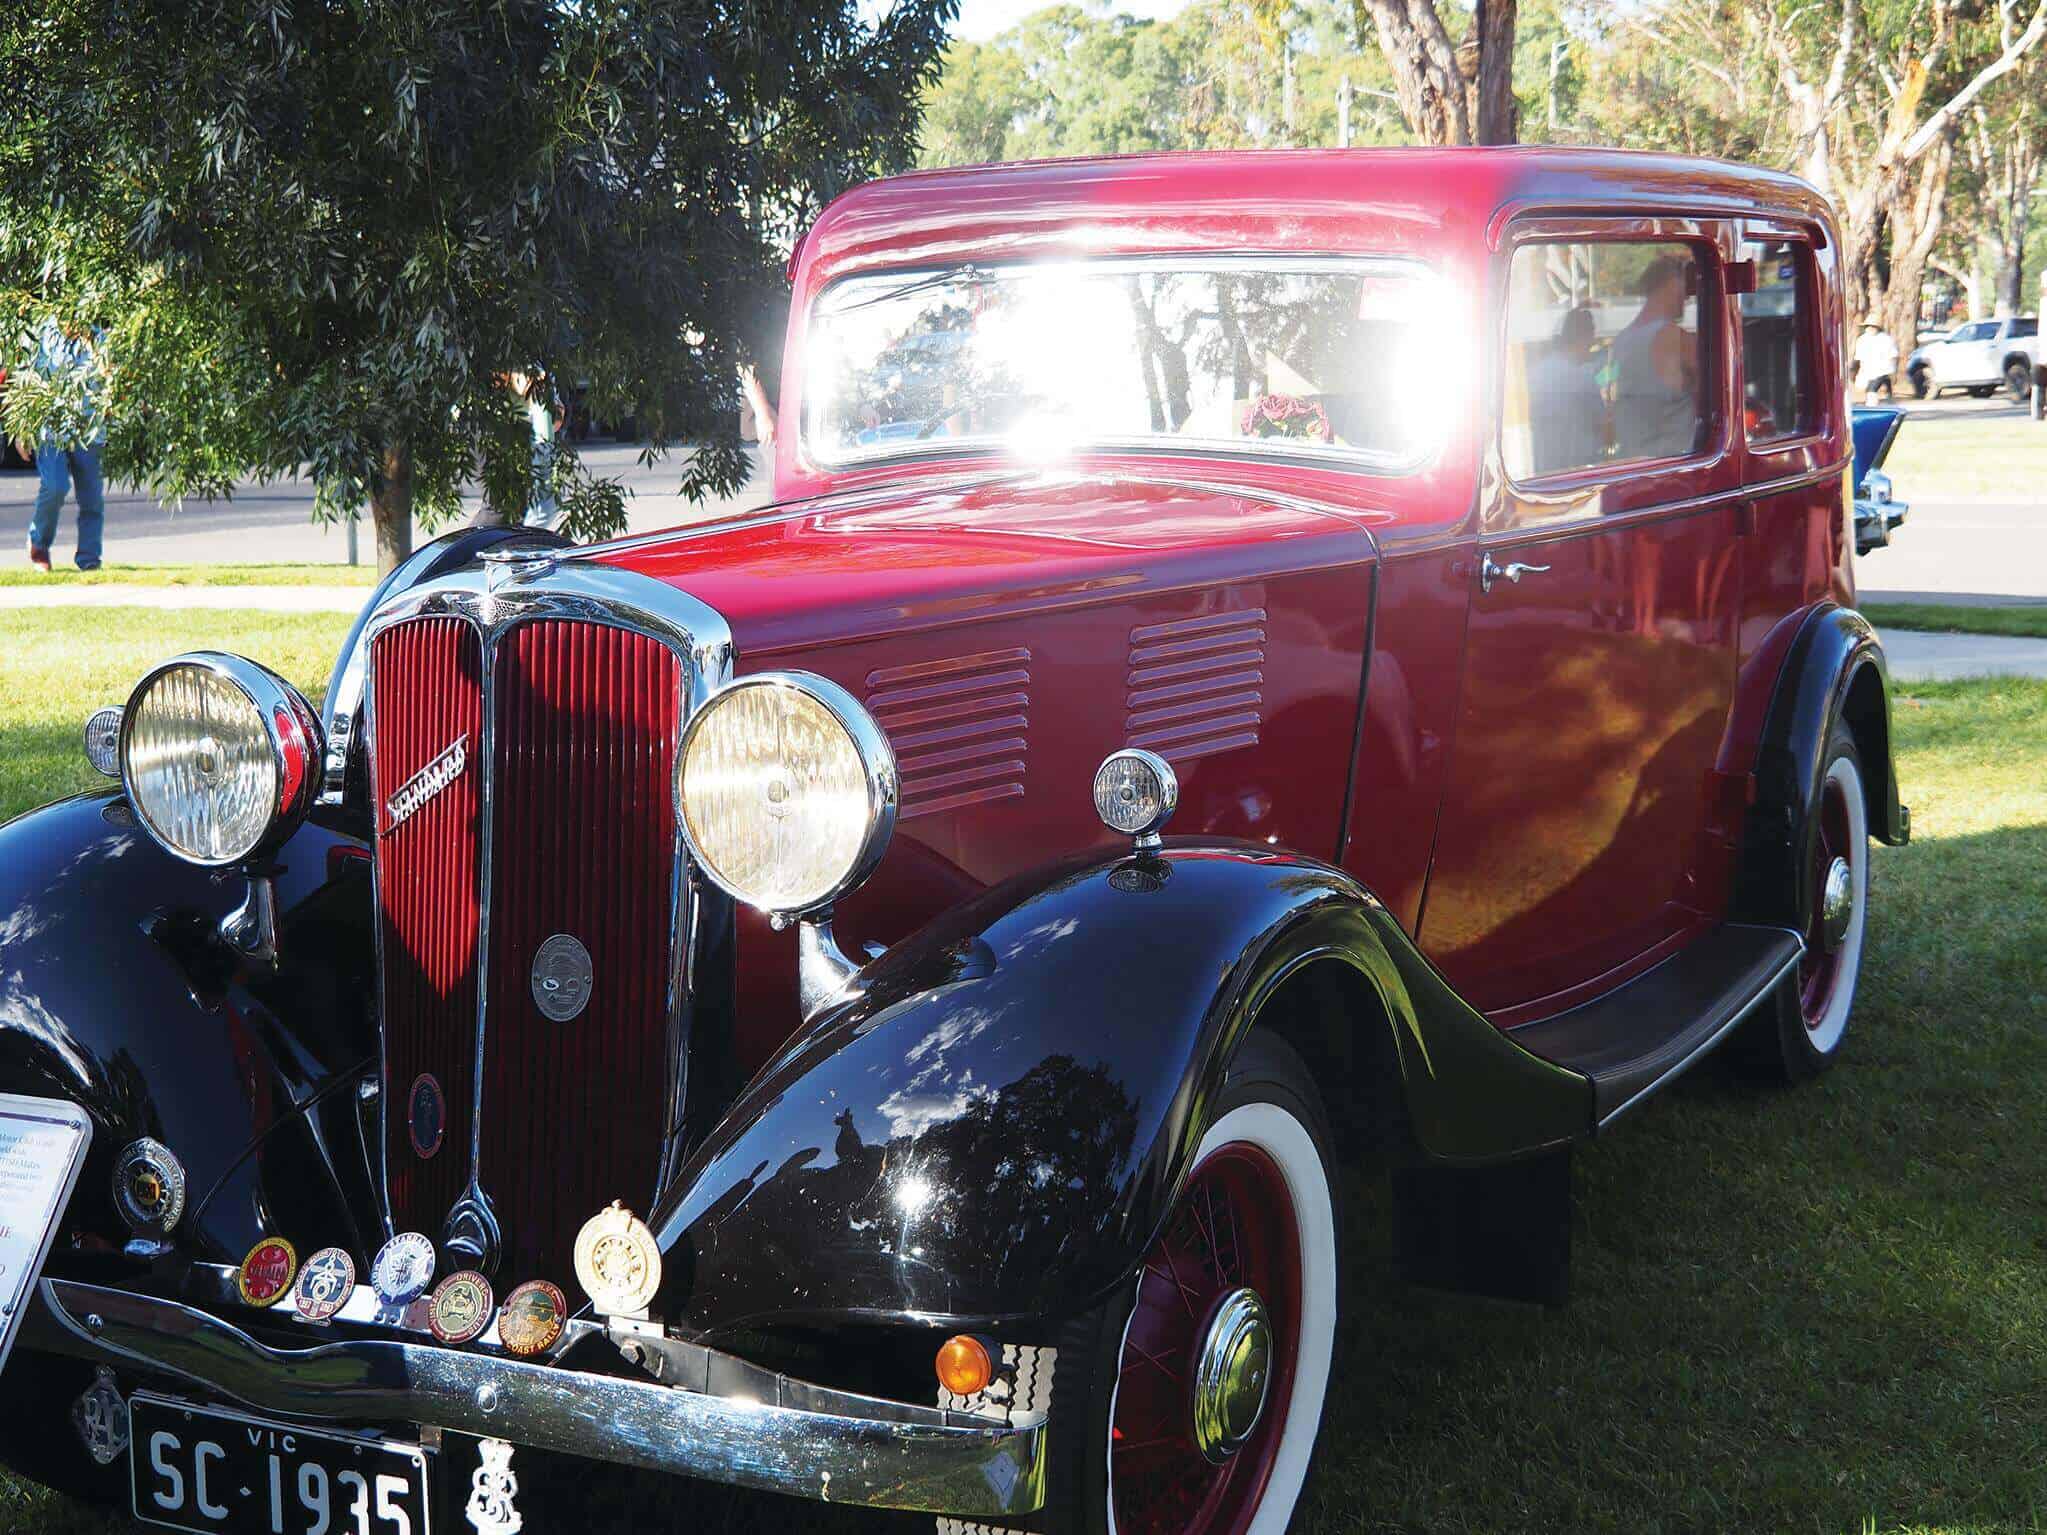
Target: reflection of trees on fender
(1018, 1176)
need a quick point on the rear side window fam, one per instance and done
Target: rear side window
(2023, 328)
(1776, 342)
(1604, 362)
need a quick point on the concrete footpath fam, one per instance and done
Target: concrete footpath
(1913, 656)
(268, 599)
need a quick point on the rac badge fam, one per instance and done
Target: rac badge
(149, 1186)
(561, 977)
(461, 1307)
(617, 1262)
(326, 1281)
(266, 1274)
(409, 797)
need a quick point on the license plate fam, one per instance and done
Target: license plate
(42, 1143)
(207, 1470)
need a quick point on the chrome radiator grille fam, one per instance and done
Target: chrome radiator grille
(558, 825)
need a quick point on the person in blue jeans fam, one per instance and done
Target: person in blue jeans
(68, 454)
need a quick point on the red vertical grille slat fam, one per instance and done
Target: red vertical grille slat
(427, 694)
(584, 844)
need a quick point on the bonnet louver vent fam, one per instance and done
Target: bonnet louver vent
(958, 727)
(1196, 685)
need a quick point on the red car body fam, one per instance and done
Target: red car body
(1485, 633)
(1378, 711)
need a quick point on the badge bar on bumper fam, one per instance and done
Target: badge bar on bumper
(814, 1443)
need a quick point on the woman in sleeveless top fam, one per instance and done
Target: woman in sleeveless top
(1656, 405)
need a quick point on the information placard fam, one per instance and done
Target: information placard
(42, 1146)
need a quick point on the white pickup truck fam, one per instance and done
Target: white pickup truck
(1979, 355)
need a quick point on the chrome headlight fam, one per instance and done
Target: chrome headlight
(786, 790)
(219, 757)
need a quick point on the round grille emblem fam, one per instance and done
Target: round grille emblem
(561, 978)
(426, 1115)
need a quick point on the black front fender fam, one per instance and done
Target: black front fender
(114, 996)
(993, 1128)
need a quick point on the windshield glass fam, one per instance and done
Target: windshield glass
(1327, 358)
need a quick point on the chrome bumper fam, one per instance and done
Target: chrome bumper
(747, 1426)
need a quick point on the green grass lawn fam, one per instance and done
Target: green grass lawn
(1822, 1309)
(2029, 621)
(1942, 457)
(193, 575)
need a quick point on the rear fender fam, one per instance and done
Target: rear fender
(993, 1127)
(1834, 670)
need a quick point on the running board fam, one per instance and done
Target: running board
(1642, 1036)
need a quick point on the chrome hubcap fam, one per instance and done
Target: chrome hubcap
(1837, 904)
(1232, 1372)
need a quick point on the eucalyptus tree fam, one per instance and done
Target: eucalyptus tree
(316, 236)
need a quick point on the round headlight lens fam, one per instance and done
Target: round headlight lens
(214, 752)
(787, 791)
(1136, 792)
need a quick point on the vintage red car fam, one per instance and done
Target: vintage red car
(1263, 668)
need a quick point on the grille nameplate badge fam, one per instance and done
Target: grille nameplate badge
(562, 974)
(409, 797)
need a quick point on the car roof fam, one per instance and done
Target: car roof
(1422, 202)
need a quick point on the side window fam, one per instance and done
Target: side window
(1776, 342)
(1605, 363)
(2021, 329)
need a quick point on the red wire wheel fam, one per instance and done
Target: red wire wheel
(1235, 1227)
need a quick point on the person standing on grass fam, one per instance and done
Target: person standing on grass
(545, 417)
(68, 452)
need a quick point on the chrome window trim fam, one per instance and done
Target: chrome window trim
(1271, 262)
(499, 592)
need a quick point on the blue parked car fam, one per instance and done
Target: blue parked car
(1877, 510)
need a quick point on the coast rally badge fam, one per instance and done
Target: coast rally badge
(532, 1318)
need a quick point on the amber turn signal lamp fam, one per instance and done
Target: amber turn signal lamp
(964, 1367)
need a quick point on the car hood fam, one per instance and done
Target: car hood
(867, 563)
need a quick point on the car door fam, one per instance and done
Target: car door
(1969, 356)
(1599, 655)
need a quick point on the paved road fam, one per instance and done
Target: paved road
(1915, 657)
(274, 524)
(1969, 553)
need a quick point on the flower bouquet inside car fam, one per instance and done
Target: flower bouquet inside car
(1287, 415)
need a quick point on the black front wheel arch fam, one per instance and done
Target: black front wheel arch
(1258, 1212)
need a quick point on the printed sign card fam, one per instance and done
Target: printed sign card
(42, 1146)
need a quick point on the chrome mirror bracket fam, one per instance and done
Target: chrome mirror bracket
(250, 930)
(825, 973)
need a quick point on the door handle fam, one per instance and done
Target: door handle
(1490, 570)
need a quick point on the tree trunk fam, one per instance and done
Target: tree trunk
(1493, 102)
(2022, 166)
(1915, 225)
(391, 507)
(1428, 75)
